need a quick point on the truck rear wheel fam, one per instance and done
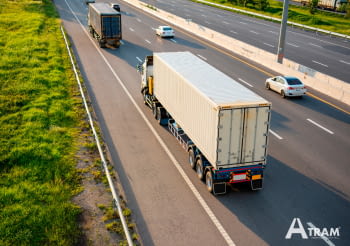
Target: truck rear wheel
(199, 169)
(209, 181)
(192, 158)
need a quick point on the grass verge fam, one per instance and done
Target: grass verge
(298, 14)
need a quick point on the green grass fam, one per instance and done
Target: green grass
(323, 20)
(39, 122)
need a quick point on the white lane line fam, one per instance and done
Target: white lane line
(173, 40)
(315, 45)
(172, 10)
(320, 63)
(122, 42)
(347, 63)
(131, 29)
(225, 22)
(153, 28)
(275, 134)
(204, 15)
(147, 41)
(276, 33)
(202, 57)
(243, 23)
(254, 32)
(207, 22)
(234, 32)
(322, 127)
(138, 20)
(196, 193)
(294, 45)
(329, 242)
(269, 45)
(138, 58)
(245, 82)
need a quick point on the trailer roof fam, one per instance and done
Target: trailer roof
(104, 9)
(212, 83)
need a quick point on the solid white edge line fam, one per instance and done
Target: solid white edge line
(196, 193)
(322, 127)
(275, 134)
(326, 239)
(110, 181)
(245, 82)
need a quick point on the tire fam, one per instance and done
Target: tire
(154, 110)
(199, 169)
(144, 92)
(267, 86)
(192, 158)
(283, 95)
(209, 181)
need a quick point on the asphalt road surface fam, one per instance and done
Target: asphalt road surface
(308, 162)
(320, 52)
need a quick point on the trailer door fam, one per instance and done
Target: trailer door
(242, 136)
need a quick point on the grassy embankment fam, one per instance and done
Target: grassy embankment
(323, 20)
(40, 114)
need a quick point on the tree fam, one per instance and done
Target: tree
(263, 4)
(313, 6)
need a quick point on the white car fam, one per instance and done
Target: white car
(287, 86)
(165, 31)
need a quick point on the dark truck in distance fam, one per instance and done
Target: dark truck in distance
(105, 24)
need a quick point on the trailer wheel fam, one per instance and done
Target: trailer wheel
(154, 110)
(191, 158)
(199, 169)
(209, 181)
(144, 93)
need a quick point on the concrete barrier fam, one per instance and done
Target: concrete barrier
(323, 83)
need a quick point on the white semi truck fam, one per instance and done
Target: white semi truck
(221, 124)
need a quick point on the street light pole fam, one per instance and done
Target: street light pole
(282, 38)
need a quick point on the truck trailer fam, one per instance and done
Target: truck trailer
(105, 24)
(325, 4)
(221, 124)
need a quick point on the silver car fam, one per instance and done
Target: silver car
(287, 86)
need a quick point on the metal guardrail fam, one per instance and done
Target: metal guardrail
(110, 182)
(277, 19)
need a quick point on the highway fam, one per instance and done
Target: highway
(323, 53)
(308, 162)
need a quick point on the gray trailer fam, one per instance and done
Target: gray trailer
(105, 24)
(222, 124)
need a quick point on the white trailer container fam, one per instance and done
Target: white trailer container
(227, 122)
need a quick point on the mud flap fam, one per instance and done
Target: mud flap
(256, 184)
(219, 188)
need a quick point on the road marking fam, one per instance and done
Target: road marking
(173, 40)
(254, 32)
(275, 134)
(138, 20)
(315, 45)
(138, 58)
(153, 28)
(225, 22)
(147, 41)
(326, 102)
(207, 22)
(131, 29)
(204, 15)
(294, 45)
(323, 128)
(172, 10)
(243, 23)
(276, 33)
(234, 32)
(347, 63)
(320, 63)
(269, 45)
(122, 42)
(329, 242)
(245, 82)
(202, 57)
